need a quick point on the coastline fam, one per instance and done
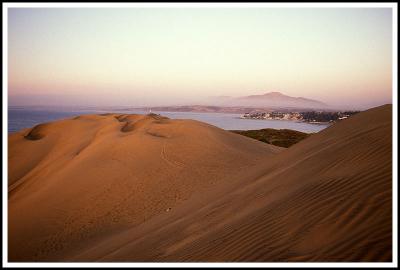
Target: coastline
(295, 121)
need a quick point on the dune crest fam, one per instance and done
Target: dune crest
(74, 181)
(194, 192)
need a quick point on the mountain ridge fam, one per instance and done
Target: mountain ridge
(272, 99)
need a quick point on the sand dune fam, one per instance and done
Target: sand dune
(76, 180)
(146, 188)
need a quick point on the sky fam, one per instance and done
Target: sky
(178, 56)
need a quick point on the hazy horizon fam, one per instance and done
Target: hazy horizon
(185, 56)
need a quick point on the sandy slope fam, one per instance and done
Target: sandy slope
(88, 192)
(81, 179)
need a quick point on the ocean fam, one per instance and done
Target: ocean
(20, 118)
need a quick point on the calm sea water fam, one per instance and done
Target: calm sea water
(20, 118)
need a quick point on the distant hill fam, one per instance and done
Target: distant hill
(247, 104)
(271, 99)
(204, 109)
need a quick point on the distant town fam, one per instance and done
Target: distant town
(309, 115)
(316, 117)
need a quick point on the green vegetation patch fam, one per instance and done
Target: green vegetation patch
(278, 137)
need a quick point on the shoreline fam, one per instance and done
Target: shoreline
(295, 121)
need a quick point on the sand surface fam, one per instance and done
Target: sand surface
(141, 188)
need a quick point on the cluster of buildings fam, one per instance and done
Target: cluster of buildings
(310, 116)
(274, 115)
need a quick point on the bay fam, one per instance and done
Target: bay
(20, 118)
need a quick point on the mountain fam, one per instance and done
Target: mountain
(272, 100)
(144, 188)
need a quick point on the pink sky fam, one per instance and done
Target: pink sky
(143, 57)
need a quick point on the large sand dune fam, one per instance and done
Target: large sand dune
(146, 188)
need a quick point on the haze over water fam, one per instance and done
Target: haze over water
(20, 118)
(137, 135)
